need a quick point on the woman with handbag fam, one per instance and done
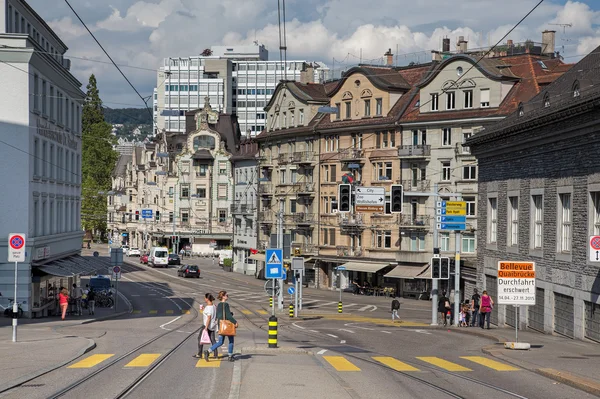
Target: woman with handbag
(487, 304)
(207, 331)
(227, 326)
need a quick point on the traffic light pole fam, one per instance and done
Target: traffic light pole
(280, 245)
(434, 282)
(457, 239)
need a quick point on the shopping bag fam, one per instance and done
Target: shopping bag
(205, 337)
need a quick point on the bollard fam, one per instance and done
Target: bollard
(272, 332)
(291, 310)
(339, 307)
(270, 301)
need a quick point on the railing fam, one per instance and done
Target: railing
(265, 217)
(415, 220)
(346, 251)
(351, 153)
(305, 188)
(303, 218)
(414, 151)
(201, 174)
(415, 185)
(283, 158)
(305, 249)
(347, 220)
(265, 188)
(265, 160)
(241, 208)
(303, 157)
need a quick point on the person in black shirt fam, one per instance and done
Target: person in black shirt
(444, 307)
(475, 301)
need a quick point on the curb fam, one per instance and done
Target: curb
(280, 350)
(15, 383)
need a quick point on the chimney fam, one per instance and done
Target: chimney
(446, 45)
(389, 58)
(509, 43)
(548, 38)
(461, 44)
(436, 56)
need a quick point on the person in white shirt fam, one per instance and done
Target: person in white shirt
(210, 323)
(77, 294)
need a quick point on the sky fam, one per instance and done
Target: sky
(138, 34)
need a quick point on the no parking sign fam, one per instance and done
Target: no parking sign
(16, 247)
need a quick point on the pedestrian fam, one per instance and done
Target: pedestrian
(487, 304)
(223, 313)
(475, 300)
(77, 294)
(395, 308)
(182, 253)
(91, 299)
(444, 307)
(209, 320)
(63, 301)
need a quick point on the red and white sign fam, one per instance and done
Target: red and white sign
(16, 247)
(594, 248)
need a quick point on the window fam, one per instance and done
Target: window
(185, 191)
(222, 191)
(36, 90)
(36, 157)
(201, 170)
(170, 217)
(52, 100)
(576, 92)
(450, 100)
(468, 243)
(357, 140)
(367, 107)
(185, 216)
(222, 167)
(417, 241)
(383, 170)
(338, 108)
(513, 221)
(447, 137)
(378, 106)
(434, 102)
(595, 212)
(383, 239)
(565, 222)
(348, 105)
(466, 136)
(204, 141)
(293, 207)
(44, 159)
(470, 172)
(546, 100)
(468, 96)
(222, 216)
(282, 176)
(493, 220)
(470, 205)
(484, 98)
(537, 209)
(301, 116)
(44, 99)
(51, 162)
(201, 191)
(446, 172)
(444, 241)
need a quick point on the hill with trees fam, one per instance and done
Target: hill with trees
(127, 116)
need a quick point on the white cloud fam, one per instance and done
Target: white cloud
(579, 15)
(140, 15)
(66, 29)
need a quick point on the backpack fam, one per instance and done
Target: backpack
(395, 304)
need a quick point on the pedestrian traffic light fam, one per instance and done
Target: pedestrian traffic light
(435, 268)
(396, 196)
(444, 268)
(137, 215)
(345, 197)
(157, 216)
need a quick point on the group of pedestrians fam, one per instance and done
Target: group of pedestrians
(476, 311)
(76, 299)
(216, 320)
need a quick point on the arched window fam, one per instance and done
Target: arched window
(204, 141)
(576, 92)
(546, 100)
(521, 110)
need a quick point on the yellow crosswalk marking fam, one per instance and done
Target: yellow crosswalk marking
(490, 363)
(137, 311)
(395, 364)
(143, 360)
(185, 311)
(262, 312)
(213, 363)
(248, 312)
(153, 312)
(91, 361)
(169, 312)
(444, 364)
(340, 363)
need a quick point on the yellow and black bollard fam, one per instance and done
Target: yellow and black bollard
(272, 332)
(270, 301)
(339, 307)
(291, 310)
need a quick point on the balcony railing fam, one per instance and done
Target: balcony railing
(414, 151)
(304, 218)
(346, 251)
(241, 208)
(349, 220)
(303, 157)
(265, 217)
(265, 161)
(416, 185)
(265, 189)
(304, 249)
(305, 188)
(415, 220)
(351, 154)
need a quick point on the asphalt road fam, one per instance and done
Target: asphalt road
(351, 359)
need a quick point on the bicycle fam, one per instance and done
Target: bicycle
(104, 299)
(8, 311)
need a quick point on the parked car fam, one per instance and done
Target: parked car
(174, 259)
(144, 259)
(159, 256)
(133, 252)
(188, 271)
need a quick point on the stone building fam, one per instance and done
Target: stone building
(539, 188)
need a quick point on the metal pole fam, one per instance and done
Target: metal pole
(297, 293)
(457, 239)
(15, 308)
(434, 282)
(300, 288)
(116, 290)
(273, 285)
(280, 245)
(517, 323)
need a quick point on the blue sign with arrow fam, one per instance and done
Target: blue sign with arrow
(291, 290)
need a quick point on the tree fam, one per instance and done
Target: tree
(98, 161)
(206, 52)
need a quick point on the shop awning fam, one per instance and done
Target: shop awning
(259, 257)
(74, 266)
(408, 272)
(364, 267)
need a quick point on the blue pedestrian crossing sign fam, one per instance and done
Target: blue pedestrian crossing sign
(274, 263)
(291, 290)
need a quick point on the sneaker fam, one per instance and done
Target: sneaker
(231, 358)
(197, 356)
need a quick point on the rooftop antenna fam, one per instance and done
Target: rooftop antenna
(562, 39)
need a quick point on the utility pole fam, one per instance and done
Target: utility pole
(434, 282)
(280, 242)
(457, 239)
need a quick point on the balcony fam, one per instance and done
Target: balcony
(303, 157)
(414, 151)
(415, 221)
(266, 217)
(304, 218)
(265, 189)
(305, 188)
(299, 249)
(285, 189)
(416, 185)
(350, 222)
(351, 154)
(241, 209)
(201, 175)
(265, 161)
(346, 251)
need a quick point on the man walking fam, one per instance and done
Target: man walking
(77, 294)
(395, 308)
(91, 297)
(475, 299)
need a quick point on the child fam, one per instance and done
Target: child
(463, 316)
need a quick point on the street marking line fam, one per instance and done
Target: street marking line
(386, 332)
(153, 312)
(348, 331)
(262, 312)
(137, 311)
(143, 360)
(443, 364)
(247, 312)
(214, 363)
(169, 311)
(340, 363)
(169, 322)
(343, 341)
(296, 325)
(90, 361)
(321, 351)
(490, 363)
(333, 336)
(185, 311)
(394, 364)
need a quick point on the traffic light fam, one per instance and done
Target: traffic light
(137, 215)
(396, 195)
(345, 198)
(435, 268)
(157, 216)
(445, 268)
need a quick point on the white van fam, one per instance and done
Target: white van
(159, 257)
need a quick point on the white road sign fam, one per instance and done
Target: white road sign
(594, 248)
(16, 247)
(516, 283)
(369, 199)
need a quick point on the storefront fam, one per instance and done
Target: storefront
(409, 280)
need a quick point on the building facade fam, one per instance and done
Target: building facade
(41, 118)
(539, 187)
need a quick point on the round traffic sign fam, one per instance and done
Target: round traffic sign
(17, 242)
(595, 242)
(116, 270)
(291, 290)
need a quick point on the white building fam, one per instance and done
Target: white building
(237, 79)
(40, 111)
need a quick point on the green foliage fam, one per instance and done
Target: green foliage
(128, 116)
(98, 161)
(227, 262)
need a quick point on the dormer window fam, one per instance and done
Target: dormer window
(546, 101)
(521, 110)
(576, 92)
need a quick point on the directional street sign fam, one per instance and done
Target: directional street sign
(594, 248)
(369, 199)
(274, 266)
(451, 215)
(341, 268)
(146, 213)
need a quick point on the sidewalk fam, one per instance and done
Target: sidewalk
(568, 361)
